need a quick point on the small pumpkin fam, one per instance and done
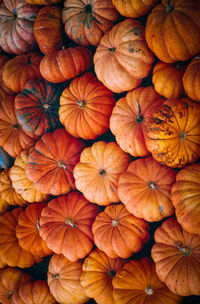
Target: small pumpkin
(132, 8)
(191, 79)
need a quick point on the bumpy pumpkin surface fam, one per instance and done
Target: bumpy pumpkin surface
(133, 8)
(191, 79)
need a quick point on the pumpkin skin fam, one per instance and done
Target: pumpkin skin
(17, 37)
(33, 293)
(138, 283)
(27, 231)
(145, 189)
(132, 8)
(98, 172)
(18, 70)
(173, 133)
(65, 64)
(130, 117)
(118, 233)
(71, 217)
(122, 58)
(37, 106)
(10, 280)
(43, 2)
(87, 21)
(185, 197)
(4, 206)
(51, 162)
(3, 88)
(191, 79)
(167, 79)
(165, 30)
(176, 254)
(97, 276)
(85, 107)
(47, 29)
(10, 250)
(63, 278)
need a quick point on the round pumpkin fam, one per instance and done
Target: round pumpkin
(51, 162)
(85, 107)
(65, 64)
(173, 133)
(119, 233)
(47, 29)
(191, 79)
(97, 174)
(130, 117)
(18, 70)
(122, 58)
(185, 195)
(145, 189)
(165, 30)
(176, 254)
(132, 8)
(63, 278)
(87, 21)
(71, 217)
(138, 283)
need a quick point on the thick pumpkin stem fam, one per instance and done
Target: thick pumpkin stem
(70, 221)
(169, 7)
(139, 118)
(81, 103)
(152, 185)
(186, 250)
(149, 290)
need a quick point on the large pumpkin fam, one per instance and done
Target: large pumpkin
(71, 217)
(130, 117)
(173, 133)
(176, 254)
(97, 174)
(87, 21)
(132, 8)
(165, 30)
(145, 189)
(191, 79)
(122, 58)
(16, 26)
(51, 162)
(85, 107)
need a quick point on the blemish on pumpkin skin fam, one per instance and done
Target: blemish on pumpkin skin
(132, 50)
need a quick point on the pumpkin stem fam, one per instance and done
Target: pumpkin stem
(46, 106)
(70, 221)
(182, 135)
(81, 103)
(38, 226)
(61, 164)
(169, 7)
(28, 61)
(17, 126)
(112, 50)
(186, 250)
(114, 222)
(139, 118)
(55, 276)
(149, 290)
(102, 172)
(10, 294)
(152, 185)
(112, 273)
(88, 8)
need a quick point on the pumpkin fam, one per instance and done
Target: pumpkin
(63, 278)
(33, 293)
(98, 171)
(13, 138)
(85, 107)
(98, 273)
(122, 58)
(47, 29)
(165, 30)
(137, 282)
(191, 79)
(51, 162)
(176, 254)
(18, 70)
(4, 206)
(21, 184)
(43, 2)
(132, 8)
(119, 233)
(3, 60)
(173, 133)
(185, 197)
(167, 79)
(17, 37)
(27, 231)
(6, 161)
(10, 250)
(87, 21)
(145, 189)
(65, 64)
(130, 117)
(2, 266)
(71, 217)
(37, 106)
(10, 280)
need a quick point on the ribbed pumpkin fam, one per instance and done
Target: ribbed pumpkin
(4, 90)
(138, 283)
(191, 79)
(132, 8)
(63, 278)
(87, 21)
(43, 2)
(4, 206)
(130, 117)
(71, 217)
(86, 106)
(145, 189)
(47, 29)
(97, 174)
(51, 162)
(119, 233)
(173, 133)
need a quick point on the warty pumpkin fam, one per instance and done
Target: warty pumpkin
(191, 79)
(132, 8)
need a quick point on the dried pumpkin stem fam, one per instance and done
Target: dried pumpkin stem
(114, 222)
(55, 276)
(139, 118)
(186, 250)
(81, 103)
(112, 273)
(149, 290)
(152, 185)
(10, 294)
(70, 221)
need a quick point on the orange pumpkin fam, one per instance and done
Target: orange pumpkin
(4, 206)
(43, 2)
(3, 87)
(132, 8)
(191, 79)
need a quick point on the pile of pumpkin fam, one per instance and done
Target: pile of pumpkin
(99, 151)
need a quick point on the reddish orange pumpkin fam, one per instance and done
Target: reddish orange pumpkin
(4, 90)
(191, 79)
(43, 2)
(132, 8)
